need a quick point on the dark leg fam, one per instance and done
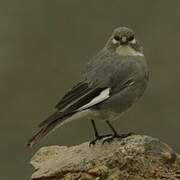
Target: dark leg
(112, 128)
(95, 129)
(97, 136)
(115, 134)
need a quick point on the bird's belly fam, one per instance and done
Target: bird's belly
(119, 105)
(114, 107)
(123, 100)
(87, 114)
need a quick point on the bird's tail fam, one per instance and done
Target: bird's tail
(50, 124)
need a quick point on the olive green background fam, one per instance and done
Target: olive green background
(45, 44)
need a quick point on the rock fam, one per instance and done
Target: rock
(136, 157)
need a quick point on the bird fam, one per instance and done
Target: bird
(112, 82)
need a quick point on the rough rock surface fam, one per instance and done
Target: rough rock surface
(134, 158)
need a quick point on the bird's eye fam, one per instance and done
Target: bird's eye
(117, 38)
(131, 38)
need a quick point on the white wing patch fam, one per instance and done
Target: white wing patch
(101, 97)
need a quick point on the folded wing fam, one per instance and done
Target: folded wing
(80, 97)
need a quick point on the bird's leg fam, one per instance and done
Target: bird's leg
(95, 129)
(115, 134)
(112, 128)
(97, 136)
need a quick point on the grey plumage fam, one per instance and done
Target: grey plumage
(113, 80)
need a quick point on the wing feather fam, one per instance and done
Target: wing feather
(75, 92)
(78, 98)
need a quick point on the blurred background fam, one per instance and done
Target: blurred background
(44, 46)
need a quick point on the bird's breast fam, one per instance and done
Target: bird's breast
(126, 50)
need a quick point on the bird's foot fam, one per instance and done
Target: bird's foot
(119, 136)
(98, 138)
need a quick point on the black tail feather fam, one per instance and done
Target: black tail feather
(53, 117)
(46, 127)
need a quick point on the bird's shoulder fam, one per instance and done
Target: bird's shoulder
(108, 67)
(106, 59)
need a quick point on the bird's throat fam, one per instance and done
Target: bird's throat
(126, 50)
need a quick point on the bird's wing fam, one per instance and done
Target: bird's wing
(95, 89)
(80, 97)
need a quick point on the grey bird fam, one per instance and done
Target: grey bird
(114, 79)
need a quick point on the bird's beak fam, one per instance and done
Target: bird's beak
(124, 40)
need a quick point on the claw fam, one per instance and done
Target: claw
(93, 142)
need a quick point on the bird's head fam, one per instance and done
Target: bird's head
(123, 42)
